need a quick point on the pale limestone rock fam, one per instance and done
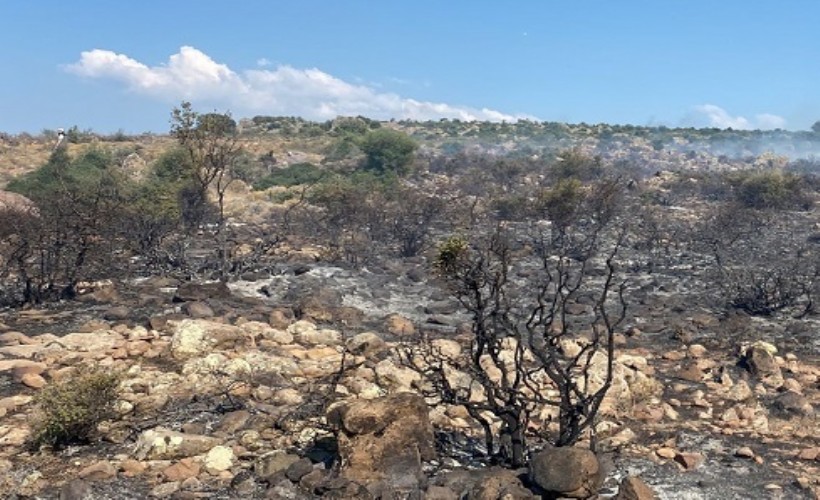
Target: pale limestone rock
(237, 368)
(8, 365)
(450, 349)
(196, 337)
(366, 344)
(301, 326)
(164, 444)
(569, 347)
(33, 380)
(281, 337)
(15, 338)
(288, 397)
(739, 392)
(27, 351)
(11, 403)
(696, 351)
(165, 490)
(99, 341)
(188, 340)
(212, 363)
(396, 378)
(219, 458)
(271, 363)
(98, 471)
(399, 326)
(14, 436)
(313, 337)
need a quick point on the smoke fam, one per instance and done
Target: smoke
(713, 116)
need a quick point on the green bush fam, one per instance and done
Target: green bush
(575, 164)
(512, 207)
(772, 189)
(71, 410)
(562, 202)
(388, 151)
(451, 256)
(62, 174)
(292, 175)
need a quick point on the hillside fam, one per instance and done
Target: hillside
(361, 309)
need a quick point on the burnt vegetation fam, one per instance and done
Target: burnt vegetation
(538, 241)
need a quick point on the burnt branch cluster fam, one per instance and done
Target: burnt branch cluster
(531, 293)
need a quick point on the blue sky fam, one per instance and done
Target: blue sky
(123, 65)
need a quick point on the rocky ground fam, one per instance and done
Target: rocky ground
(287, 384)
(263, 389)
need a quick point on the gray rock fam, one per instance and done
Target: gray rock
(440, 493)
(76, 490)
(188, 292)
(117, 313)
(284, 490)
(272, 464)
(759, 360)
(198, 309)
(299, 469)
(791, 404)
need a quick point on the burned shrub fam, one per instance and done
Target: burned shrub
(513, 367)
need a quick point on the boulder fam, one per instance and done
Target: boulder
(689, 460)
(182, 470)
(13, 202)
(273, 464)
(366, 344)
(219, 458)
(197, 309)
(188, 292)
(497, 482)
(383, 441)
(76, 490)
(164, 444)
(117, 313)
(567, 472)
(399, 326)
(759, 359)
(98, 471)
(99, 341)
(193, 338)
(791, 404)
(634, 488)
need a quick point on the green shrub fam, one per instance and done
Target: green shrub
(292, 175)
(388, 151)
(772, 189)
(451, 256)
(575, 164)
(71, 410)
(61, 173)
(562, 202)
(512, 207)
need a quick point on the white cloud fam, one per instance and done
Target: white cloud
(710, 115)
(285, 90)
(263, 61)
(768, 121)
